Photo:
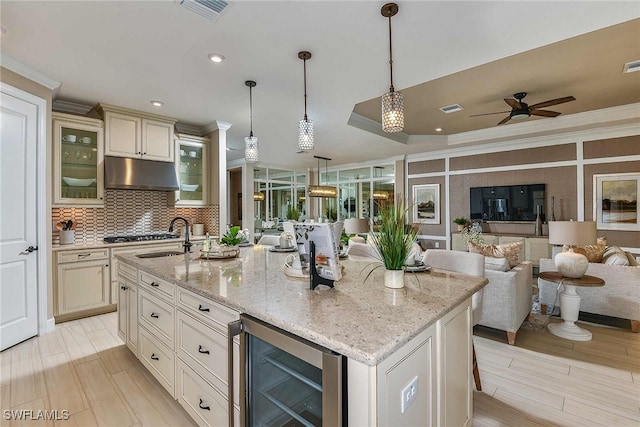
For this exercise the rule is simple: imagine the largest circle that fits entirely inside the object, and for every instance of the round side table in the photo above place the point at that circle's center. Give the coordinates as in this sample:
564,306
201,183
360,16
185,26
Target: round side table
570,304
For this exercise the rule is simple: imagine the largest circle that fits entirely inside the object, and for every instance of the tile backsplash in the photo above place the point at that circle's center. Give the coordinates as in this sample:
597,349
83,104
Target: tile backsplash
131,212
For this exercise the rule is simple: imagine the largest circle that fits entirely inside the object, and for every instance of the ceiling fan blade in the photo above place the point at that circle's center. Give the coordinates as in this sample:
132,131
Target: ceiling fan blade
544,113
552,102
505,120
513,103
488,114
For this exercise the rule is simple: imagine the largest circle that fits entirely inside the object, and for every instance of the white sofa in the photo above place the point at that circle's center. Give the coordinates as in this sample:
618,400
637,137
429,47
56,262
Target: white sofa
619,297
507,299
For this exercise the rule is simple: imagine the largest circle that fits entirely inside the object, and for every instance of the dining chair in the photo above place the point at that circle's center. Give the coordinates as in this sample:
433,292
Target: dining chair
465,263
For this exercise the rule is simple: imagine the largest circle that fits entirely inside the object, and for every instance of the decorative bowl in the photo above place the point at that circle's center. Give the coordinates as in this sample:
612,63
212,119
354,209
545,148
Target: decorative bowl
77,182
189,187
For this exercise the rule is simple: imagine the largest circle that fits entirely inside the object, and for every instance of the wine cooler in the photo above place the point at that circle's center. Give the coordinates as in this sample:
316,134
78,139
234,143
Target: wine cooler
286,381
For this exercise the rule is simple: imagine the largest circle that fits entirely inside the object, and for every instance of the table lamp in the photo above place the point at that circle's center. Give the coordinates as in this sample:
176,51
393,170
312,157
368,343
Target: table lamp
572,233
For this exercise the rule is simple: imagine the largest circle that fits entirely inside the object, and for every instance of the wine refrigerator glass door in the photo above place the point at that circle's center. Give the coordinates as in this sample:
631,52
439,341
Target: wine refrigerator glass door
288,382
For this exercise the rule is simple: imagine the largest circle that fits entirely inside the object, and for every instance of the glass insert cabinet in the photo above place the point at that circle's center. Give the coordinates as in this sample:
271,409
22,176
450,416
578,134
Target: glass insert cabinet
78,160
192,168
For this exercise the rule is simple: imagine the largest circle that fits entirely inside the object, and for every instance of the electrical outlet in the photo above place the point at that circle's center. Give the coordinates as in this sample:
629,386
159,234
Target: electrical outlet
437,245
409,394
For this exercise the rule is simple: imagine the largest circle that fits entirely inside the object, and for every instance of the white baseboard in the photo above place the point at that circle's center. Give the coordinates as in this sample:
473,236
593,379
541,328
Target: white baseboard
51,325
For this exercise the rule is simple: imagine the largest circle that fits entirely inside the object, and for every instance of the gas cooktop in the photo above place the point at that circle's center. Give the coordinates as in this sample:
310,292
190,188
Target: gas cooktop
140,238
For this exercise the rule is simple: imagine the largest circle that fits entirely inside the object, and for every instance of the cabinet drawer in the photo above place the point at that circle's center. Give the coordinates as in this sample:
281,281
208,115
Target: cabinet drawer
214,313
157,316
162,287
203,402
158,359
80,255
127,271
204,348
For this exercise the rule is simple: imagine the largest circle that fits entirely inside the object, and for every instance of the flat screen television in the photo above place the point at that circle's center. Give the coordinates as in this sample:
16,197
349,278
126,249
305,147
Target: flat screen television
507,202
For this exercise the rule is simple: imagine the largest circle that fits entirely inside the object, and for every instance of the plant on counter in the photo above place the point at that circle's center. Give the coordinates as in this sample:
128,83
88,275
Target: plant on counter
393,240
235,236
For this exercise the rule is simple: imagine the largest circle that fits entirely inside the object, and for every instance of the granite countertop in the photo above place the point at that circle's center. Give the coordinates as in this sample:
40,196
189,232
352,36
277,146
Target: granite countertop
99,244
362,320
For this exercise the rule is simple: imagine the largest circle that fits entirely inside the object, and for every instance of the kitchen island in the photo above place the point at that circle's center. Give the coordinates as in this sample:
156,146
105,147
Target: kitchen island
388,336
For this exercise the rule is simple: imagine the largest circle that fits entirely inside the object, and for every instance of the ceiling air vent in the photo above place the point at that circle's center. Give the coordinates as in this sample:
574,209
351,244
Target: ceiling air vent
630,67
451,108
210,9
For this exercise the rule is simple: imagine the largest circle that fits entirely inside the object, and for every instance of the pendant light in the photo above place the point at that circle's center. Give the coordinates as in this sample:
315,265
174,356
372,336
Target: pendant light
322,190
251,142
392,101
258,196
305,126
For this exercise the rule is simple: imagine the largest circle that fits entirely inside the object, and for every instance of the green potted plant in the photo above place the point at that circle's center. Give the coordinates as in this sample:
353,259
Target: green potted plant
293,213
461,222
234,236
393,242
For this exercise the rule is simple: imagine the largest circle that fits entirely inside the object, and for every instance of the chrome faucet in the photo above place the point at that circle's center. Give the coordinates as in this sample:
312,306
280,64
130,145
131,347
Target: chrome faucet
187,244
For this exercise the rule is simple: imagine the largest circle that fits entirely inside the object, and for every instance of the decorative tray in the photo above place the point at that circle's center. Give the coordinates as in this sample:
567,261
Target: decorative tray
417,268
220,254
277,248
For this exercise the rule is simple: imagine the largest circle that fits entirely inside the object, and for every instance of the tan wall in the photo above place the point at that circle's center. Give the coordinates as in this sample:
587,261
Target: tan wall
515,157
22,83
613,147
426,166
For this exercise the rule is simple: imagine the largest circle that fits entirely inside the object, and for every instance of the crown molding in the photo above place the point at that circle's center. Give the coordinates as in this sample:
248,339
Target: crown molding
189,129
217,125
366,124
70,107
29,73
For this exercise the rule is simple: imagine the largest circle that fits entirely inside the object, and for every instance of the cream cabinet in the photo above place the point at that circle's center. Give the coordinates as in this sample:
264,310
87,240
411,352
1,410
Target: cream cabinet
192,166
78,155
533,248
128,312
131,133
117,267
82,282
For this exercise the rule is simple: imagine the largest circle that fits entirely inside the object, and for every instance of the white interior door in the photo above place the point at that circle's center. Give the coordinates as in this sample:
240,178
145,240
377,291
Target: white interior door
18,227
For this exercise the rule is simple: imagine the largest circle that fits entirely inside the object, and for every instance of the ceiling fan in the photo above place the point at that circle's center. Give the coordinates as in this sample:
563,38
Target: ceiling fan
520,110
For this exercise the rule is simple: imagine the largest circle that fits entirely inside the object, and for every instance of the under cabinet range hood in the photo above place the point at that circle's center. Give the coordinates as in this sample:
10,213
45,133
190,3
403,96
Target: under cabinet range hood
123,173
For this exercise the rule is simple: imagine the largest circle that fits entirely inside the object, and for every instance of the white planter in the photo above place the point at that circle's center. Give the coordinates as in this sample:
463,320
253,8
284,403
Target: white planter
394,279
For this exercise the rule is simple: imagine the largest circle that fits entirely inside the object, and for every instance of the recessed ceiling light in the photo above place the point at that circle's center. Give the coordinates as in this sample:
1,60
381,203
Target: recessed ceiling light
157,103
632,66
438,129
451,108
215,57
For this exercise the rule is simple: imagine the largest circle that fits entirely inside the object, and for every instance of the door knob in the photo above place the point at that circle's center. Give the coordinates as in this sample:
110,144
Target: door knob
31,249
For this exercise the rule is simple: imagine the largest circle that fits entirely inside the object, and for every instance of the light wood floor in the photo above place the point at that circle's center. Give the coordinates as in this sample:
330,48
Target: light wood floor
84,368
546,381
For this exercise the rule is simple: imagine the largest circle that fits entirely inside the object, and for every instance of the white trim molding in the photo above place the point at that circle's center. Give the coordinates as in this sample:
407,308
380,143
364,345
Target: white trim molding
29,73
361,122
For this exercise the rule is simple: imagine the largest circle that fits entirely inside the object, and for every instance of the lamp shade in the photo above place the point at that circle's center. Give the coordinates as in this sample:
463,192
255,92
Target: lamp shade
322,191
572,233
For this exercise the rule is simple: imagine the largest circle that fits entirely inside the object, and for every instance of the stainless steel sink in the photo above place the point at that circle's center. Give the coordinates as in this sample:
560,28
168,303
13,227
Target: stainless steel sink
159,254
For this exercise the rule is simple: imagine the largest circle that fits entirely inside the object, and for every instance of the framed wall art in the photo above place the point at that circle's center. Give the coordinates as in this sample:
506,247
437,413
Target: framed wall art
615,201
426,204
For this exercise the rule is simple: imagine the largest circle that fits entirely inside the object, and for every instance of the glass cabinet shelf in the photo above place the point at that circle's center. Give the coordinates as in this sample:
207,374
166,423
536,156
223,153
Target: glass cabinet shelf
78,160
191,167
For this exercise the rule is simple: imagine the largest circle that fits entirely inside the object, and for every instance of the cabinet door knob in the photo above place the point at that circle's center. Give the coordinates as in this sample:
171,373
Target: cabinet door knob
154,357
124,288
155,315
155,285
208,408
201,308
200,350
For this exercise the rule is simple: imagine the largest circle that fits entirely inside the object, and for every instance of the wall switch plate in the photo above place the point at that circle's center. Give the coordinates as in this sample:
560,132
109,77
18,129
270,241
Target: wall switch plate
409,394
437,245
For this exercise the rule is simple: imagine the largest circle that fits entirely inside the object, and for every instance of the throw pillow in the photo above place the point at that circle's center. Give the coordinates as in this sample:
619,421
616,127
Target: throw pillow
593,253
510,251
496,264
632,259
615,256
